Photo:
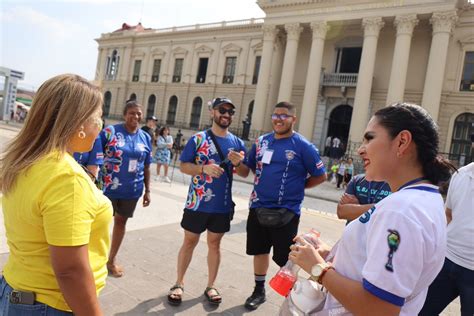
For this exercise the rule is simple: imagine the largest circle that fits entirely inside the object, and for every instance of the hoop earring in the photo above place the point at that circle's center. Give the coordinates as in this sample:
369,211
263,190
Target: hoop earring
81,133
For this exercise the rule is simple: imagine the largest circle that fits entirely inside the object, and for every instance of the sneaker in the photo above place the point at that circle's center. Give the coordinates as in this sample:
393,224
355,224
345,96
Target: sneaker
166,179
256,299
156,178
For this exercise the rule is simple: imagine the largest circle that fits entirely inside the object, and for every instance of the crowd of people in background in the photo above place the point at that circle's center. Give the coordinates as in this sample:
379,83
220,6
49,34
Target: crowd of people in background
65,177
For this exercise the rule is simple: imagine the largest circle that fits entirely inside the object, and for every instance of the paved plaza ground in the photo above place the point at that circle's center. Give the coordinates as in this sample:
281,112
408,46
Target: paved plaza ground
149,253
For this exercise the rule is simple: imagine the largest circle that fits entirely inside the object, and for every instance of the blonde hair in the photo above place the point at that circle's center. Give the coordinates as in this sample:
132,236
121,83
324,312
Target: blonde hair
60,107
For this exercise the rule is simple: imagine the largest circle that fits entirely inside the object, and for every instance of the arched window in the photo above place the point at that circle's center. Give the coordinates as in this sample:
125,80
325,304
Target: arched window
112,66
461,141
150,109
172,107
196,112
250,111
340,122
133,97
107,101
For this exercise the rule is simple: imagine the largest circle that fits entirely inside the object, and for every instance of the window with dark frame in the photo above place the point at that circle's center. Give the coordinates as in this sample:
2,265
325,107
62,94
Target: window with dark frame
202,70
172,107
178,69
196,112
229,70
150,109
136,70
155,74
467,79
112,66
256,69
348,59
107,101
461,145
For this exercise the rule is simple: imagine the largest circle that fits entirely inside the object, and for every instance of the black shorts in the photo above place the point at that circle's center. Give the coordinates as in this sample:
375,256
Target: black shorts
197,222
260,239
124,207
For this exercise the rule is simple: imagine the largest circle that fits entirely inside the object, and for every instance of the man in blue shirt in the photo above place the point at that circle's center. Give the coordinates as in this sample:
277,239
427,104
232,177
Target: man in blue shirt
285,164
360,196
209,203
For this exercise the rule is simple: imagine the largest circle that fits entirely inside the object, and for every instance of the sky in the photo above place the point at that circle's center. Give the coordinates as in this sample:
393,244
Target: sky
43,38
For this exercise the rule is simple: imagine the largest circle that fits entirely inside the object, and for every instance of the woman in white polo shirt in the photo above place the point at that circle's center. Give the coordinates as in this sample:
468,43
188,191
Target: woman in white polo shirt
387,258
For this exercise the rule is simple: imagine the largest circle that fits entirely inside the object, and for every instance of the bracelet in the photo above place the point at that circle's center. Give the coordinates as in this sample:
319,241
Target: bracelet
237,164
320,279
147,191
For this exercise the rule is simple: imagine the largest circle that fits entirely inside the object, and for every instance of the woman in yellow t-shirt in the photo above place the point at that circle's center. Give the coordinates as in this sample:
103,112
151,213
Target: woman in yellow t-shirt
56,220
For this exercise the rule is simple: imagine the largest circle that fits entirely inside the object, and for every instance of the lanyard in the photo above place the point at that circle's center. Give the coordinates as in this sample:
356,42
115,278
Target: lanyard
411,182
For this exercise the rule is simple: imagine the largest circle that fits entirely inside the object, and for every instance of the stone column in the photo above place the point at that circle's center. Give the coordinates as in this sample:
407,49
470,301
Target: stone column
145,72
213,62
293,31
101,64
165,74
360,112
443,23
125,60
396,88
277,63
261,94
313,76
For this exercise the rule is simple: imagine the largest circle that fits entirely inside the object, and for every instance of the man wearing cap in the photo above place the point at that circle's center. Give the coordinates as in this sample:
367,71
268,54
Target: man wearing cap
209,203
150,126
285,164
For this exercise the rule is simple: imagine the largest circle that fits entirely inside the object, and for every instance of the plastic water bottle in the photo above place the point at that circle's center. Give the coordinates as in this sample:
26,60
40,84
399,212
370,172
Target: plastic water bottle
286,277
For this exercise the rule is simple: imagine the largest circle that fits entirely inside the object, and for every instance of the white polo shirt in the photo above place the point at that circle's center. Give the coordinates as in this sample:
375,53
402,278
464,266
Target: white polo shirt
414,222
460,245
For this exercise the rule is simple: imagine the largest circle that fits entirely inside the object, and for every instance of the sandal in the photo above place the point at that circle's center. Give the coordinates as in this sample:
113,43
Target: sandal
214,299
115,270
175,298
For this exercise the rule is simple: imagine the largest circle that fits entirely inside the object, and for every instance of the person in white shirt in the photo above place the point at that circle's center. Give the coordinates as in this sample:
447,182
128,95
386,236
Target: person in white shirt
388,257
457,276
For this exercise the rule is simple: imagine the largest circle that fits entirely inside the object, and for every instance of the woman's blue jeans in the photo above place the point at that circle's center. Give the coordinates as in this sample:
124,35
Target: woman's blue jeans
452,281
37,309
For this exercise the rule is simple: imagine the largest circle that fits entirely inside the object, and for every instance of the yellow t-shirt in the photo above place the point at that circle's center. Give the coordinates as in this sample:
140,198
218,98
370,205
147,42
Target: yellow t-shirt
54,202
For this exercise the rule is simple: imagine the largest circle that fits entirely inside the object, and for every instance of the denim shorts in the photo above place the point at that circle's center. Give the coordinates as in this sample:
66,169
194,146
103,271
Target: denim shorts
37,309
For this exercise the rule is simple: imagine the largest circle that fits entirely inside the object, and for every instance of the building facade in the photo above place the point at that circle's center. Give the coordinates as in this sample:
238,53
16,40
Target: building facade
338,61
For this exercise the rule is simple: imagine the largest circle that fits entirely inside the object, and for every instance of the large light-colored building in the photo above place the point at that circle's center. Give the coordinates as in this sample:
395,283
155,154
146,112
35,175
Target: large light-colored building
337,60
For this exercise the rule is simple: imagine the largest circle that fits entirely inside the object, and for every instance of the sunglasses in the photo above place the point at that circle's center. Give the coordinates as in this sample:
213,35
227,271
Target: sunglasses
224,111
281,116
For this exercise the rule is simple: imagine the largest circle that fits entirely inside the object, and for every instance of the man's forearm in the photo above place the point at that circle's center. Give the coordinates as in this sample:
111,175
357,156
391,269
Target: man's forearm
352,211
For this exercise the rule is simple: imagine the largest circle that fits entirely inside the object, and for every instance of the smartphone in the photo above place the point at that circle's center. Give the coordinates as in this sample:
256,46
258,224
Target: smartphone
22,297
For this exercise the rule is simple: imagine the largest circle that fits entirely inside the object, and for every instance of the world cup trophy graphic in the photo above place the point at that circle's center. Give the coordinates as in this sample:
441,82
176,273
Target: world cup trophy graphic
393,240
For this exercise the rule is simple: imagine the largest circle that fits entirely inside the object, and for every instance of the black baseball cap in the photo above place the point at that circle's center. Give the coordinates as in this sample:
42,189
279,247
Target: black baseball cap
221,100
152,118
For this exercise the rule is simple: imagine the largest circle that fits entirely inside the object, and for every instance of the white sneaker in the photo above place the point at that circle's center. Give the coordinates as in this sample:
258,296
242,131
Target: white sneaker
156,178
166,179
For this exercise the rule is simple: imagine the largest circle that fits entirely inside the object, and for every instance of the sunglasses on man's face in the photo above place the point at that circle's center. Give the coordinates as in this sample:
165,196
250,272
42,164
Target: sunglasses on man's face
224,111
281,116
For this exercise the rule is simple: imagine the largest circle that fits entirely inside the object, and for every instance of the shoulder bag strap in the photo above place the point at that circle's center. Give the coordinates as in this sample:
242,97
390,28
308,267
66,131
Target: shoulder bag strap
221,155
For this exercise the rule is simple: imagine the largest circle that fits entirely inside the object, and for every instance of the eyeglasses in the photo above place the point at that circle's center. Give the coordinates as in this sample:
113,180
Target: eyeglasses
224,111
281,116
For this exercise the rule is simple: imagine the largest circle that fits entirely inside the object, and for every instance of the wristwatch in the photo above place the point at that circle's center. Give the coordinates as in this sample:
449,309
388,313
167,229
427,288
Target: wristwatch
318,271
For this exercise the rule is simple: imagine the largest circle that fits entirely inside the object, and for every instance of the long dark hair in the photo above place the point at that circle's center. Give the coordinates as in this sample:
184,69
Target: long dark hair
424,131
162,130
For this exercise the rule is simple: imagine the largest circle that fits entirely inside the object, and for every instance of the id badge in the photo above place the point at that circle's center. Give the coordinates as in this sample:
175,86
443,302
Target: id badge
267,156
132,165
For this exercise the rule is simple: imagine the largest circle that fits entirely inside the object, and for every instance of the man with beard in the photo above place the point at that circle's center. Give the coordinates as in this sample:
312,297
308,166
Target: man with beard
209,203
285,164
